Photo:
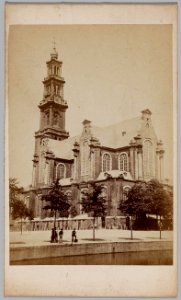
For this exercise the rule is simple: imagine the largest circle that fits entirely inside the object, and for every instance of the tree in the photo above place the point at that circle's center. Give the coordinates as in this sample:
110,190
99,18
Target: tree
137,203
93,201
160,201
73,211
147,198
57,201
138,200
17,207
15,192
20,210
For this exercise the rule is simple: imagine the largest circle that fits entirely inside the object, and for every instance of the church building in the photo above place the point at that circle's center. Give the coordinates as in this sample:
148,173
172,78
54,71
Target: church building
115,156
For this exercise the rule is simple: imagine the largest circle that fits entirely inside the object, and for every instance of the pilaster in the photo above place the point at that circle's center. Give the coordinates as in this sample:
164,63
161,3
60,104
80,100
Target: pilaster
140,163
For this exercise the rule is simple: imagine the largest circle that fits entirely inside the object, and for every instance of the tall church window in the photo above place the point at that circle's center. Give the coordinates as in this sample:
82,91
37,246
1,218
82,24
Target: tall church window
148,160
126,189
48,90
42,168
123,162
60,171
68,193
47,116
85,159
106,162
55,118
46,177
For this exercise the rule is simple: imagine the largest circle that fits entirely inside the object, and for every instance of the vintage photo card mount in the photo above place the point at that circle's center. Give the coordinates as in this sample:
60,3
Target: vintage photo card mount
91,98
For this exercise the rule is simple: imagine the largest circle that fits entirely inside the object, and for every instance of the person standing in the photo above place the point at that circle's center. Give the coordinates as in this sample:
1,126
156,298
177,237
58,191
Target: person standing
60,235
52,236
73,236
55,236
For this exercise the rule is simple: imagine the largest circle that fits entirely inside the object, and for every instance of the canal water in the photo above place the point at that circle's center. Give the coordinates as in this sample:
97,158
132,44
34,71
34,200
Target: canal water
164,257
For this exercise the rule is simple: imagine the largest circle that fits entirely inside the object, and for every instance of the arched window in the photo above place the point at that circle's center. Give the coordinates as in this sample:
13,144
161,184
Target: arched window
148,159
125,192
68,193
46,177
85,159
104,192
123,162
42,167
46,118
55,118
106,162
60,171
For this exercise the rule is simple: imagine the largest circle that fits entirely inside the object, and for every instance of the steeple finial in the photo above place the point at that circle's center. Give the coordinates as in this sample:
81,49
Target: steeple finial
54,44
54,53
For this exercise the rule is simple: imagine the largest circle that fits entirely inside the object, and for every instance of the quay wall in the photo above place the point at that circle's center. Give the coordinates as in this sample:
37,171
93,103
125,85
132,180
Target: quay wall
58,250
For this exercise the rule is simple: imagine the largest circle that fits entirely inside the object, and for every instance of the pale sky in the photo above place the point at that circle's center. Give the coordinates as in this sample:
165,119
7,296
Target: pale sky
112,72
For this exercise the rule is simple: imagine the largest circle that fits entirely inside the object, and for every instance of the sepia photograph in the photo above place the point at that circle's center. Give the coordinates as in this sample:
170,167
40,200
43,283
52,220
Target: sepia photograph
91,145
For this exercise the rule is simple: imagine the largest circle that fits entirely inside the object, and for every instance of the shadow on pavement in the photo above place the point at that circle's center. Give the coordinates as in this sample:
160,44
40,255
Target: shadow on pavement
93,240
155,238
17,243
130,239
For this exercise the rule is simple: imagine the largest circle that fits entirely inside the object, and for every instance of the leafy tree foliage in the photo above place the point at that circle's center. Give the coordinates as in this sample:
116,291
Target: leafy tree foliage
18,208
57,201
161,202
147,198
73,211
93,201
14,191
138,200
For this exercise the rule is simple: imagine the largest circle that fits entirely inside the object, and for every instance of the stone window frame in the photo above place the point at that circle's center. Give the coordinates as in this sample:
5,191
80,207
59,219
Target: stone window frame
64,176
85,158
148,174
69,195
127,162
126,187
110,160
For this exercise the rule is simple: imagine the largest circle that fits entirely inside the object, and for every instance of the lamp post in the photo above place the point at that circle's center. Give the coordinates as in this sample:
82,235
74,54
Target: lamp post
121,177
131,228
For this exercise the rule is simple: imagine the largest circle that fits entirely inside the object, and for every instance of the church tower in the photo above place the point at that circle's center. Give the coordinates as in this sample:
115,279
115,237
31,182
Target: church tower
52,117
53,106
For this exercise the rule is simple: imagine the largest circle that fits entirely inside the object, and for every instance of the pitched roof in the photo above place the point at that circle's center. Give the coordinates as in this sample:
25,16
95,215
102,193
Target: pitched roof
118,135
112,136
62,149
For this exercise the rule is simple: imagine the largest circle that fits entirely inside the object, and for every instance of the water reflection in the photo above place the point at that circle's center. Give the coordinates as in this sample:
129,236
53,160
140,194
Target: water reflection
130,258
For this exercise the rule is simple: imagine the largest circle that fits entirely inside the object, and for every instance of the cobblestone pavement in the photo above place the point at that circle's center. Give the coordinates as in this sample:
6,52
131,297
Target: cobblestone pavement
40,238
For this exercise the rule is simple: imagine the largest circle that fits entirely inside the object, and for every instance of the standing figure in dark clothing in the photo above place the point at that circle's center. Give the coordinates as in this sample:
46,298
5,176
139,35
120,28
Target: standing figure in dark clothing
54,236
60,235
73,236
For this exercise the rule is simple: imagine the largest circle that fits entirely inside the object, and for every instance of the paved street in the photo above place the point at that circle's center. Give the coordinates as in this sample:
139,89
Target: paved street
39,238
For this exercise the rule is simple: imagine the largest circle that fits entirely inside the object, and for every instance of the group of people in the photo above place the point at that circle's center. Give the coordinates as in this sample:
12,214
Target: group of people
54,236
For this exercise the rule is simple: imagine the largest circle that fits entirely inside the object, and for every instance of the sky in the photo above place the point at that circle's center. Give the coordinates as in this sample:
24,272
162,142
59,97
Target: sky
112,73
